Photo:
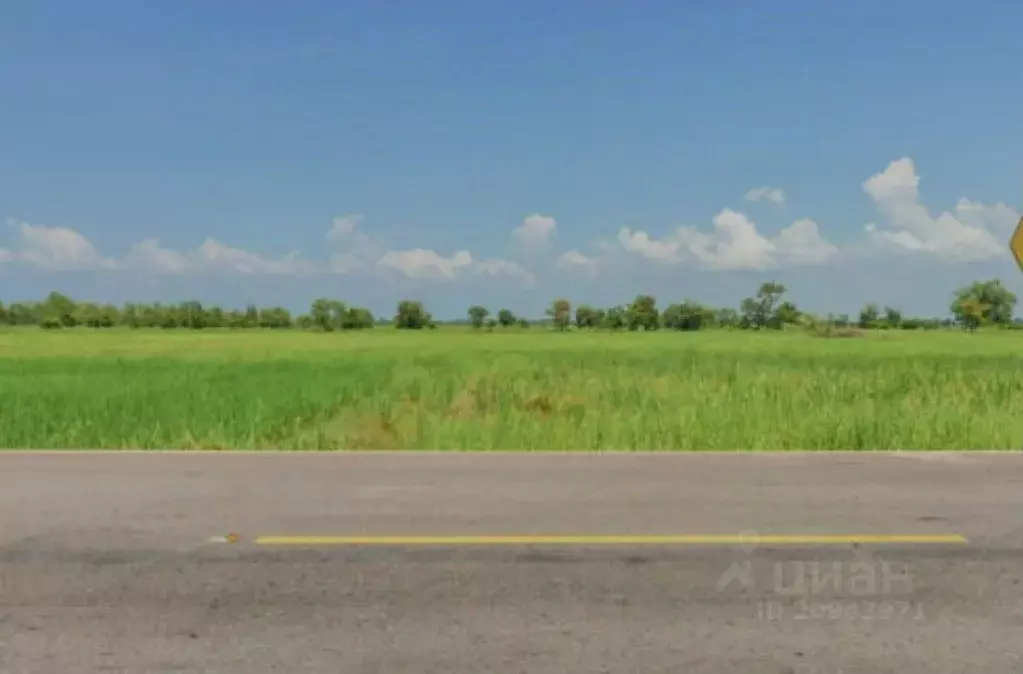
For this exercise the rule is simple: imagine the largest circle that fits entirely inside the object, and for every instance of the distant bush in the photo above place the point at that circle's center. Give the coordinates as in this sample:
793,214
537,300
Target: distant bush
829,330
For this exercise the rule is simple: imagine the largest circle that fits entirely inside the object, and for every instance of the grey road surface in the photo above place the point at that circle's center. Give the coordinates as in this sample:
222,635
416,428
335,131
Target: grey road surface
113,563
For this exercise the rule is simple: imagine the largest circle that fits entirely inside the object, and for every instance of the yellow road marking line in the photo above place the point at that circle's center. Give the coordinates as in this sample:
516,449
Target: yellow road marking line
693,539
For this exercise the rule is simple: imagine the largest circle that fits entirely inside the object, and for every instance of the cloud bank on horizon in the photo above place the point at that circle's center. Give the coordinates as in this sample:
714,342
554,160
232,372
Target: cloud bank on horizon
970,232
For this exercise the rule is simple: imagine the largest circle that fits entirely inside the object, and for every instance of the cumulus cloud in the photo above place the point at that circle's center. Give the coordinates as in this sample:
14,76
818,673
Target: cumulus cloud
734,243
576,261
426,264
663,250
56,249
420,263
216,255
574,258
499,267
969,231
772,194
535,231
344,227
965,234
149,254
801,243
354,251
349,251
212,256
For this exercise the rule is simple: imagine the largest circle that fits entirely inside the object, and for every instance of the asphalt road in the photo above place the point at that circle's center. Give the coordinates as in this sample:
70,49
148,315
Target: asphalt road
117,563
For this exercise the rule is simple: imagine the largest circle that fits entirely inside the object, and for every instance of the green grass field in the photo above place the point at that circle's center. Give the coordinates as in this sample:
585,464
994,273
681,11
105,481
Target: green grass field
453,389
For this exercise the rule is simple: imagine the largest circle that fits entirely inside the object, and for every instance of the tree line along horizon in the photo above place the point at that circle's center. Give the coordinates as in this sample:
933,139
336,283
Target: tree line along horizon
975,305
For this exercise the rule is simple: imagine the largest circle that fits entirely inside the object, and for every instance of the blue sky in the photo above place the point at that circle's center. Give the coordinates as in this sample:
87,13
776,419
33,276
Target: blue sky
509,152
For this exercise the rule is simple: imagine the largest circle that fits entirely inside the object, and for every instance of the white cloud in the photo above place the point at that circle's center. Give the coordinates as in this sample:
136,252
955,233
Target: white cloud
999,217
57,249
212,256
535,230
344,227
420,263
499,267
801,243
969,231
664,250
772,194
961,235
149,254
61,248
574,260
347,263
734,243
359,252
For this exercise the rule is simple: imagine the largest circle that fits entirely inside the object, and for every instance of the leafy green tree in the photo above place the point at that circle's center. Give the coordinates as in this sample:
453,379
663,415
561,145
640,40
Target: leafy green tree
109,316
586,316
169,318
727,318
19,313
787,314
236,320
275,318
359,318
131,315
60,307
412,316
192,315
338,312
696,316
251,316
215,317
87,314
869,316
893,317
643,313
995,302
506,318
560,313
320,313
912,324
750,314
671,317
687,316
972,313
151,316
759,312
477,315
616,318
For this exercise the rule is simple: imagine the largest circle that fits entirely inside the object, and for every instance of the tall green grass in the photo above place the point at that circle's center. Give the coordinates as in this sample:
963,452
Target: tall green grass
537,390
